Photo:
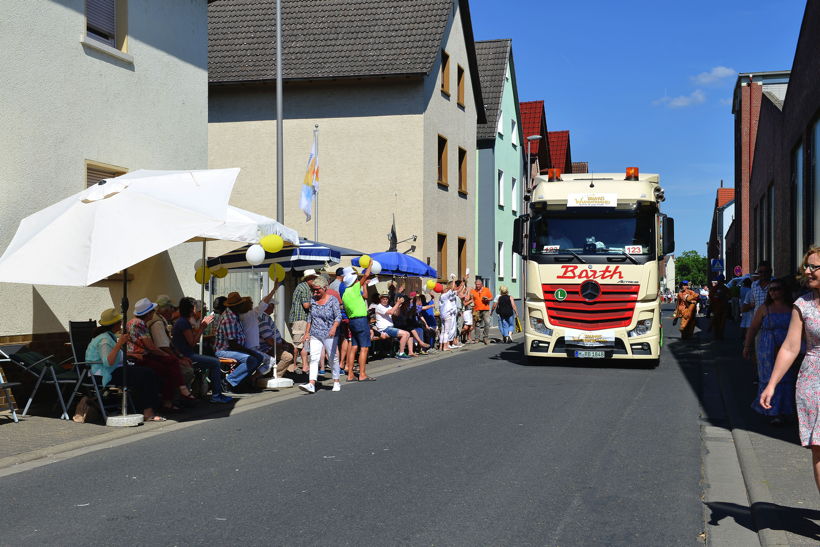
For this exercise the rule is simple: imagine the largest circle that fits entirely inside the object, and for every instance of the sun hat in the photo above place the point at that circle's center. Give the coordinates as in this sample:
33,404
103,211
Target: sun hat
310,273
384,295
164,300
234,299
109,317
684,282
143,306
349,270
350,279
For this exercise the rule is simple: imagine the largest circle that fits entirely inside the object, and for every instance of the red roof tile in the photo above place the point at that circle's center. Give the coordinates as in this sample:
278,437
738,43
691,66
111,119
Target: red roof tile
724,196
560,151
532,113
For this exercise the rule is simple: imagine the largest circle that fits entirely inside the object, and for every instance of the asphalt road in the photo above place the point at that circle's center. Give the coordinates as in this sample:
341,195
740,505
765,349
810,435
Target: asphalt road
478,449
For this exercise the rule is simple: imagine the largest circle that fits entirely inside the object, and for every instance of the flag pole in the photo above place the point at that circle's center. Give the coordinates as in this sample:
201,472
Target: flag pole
315,190
280,169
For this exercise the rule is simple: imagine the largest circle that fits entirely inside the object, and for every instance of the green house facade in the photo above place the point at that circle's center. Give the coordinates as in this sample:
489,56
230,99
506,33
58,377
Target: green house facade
500,168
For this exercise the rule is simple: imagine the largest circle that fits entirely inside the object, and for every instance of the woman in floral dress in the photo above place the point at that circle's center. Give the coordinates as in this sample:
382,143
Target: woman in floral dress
805,319
769,326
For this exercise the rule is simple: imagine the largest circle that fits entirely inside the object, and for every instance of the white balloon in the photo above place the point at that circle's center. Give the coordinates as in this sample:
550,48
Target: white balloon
375,267
255,255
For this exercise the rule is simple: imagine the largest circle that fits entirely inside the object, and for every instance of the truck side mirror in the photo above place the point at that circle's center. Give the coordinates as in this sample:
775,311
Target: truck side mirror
668,235
518,237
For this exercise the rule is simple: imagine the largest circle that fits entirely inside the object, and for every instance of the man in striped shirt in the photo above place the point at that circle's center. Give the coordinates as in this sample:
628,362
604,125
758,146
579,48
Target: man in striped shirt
230,340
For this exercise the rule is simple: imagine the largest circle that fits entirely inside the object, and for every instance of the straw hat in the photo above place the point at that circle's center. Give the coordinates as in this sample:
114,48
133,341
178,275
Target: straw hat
109,317
143,307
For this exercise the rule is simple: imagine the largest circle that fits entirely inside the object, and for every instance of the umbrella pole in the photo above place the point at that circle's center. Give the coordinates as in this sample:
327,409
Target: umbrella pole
124,310
202,297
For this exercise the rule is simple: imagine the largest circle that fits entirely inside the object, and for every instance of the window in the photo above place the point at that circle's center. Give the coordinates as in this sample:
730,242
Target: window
462,258
500,188
460,77
514,133
770,223
106,22
462,170
500,260
96,171
442,160
445,73
441,256
513,194
798,190
500,128
515,265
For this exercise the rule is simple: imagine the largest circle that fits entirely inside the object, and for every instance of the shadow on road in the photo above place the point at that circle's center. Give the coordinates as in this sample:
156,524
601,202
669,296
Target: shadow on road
796,520
515,354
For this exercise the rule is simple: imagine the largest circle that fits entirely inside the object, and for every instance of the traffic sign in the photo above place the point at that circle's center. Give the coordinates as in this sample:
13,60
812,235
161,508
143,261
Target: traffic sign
717,265
738,271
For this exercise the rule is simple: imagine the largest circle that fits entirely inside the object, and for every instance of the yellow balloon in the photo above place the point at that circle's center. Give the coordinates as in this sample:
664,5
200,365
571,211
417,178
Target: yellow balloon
276,272
220,272
202,275
272,243
364,261
431,284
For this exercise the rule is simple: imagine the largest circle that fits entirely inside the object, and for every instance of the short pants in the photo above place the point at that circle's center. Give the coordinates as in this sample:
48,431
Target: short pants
297,332
468,317
360,332
392,332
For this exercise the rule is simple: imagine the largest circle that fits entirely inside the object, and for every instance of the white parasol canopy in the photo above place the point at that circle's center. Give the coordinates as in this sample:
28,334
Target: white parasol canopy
115,224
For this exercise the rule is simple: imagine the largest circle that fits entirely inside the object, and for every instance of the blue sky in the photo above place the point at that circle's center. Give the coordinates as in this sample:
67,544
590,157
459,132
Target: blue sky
646,83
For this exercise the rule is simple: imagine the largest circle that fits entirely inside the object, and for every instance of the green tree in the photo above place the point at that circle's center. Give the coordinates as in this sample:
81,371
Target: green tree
693,267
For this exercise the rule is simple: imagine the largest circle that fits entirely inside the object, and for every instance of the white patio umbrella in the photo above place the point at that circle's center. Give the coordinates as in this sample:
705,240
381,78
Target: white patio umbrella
114,224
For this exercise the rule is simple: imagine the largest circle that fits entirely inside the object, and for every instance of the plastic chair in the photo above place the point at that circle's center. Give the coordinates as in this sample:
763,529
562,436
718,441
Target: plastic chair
6,387
44,369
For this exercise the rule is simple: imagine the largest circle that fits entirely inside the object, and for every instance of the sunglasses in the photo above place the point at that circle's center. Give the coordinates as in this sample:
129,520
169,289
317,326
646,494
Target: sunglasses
812,267
318,289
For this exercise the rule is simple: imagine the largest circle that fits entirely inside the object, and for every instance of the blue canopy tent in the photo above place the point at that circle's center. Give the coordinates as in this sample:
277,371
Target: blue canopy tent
400,264
307,255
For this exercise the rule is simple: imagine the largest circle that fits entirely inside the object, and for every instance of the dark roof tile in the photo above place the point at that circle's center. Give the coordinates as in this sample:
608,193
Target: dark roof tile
492,58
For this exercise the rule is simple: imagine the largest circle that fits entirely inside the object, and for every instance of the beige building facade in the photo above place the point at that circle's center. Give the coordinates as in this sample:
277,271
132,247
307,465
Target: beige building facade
380,152
80,103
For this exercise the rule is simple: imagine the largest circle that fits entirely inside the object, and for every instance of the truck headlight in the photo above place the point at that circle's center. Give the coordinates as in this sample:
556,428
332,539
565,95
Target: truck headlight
538,325
641,328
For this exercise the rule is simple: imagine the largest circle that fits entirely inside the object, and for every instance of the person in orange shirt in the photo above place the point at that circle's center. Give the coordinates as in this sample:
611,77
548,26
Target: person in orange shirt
482,297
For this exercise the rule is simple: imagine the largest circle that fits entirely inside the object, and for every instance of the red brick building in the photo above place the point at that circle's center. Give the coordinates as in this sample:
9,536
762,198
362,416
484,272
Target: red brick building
746,109
783,201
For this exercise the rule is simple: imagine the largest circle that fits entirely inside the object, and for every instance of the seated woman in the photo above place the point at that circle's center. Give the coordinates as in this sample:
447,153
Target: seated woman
184,338
105,352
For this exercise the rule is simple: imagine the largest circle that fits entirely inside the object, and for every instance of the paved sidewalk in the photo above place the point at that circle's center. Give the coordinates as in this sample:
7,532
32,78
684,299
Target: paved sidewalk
37,437
776,469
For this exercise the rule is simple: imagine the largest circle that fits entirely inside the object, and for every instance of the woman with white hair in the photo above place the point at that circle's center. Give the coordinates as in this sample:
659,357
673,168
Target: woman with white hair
507,313
320,332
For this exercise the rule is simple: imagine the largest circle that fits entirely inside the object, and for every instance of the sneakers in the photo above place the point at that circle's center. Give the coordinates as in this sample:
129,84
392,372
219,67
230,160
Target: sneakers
308,388
402,356
220,399
336,386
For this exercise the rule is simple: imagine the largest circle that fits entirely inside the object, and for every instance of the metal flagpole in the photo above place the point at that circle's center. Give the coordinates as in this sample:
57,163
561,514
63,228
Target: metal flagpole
316,191
280,190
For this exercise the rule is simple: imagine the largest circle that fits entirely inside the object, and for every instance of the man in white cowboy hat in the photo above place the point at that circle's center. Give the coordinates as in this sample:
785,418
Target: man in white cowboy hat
299,308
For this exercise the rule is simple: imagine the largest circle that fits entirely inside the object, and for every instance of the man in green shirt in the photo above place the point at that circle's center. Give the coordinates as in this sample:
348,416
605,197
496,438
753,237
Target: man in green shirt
355,303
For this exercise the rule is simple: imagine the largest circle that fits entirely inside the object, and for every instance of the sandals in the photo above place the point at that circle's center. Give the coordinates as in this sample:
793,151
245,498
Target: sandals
156,418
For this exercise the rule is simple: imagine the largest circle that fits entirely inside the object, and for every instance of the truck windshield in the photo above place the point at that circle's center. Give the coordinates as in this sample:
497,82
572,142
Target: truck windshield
591,231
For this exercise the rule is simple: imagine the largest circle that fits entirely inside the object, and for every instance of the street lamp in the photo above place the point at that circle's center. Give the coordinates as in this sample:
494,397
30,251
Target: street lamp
530,140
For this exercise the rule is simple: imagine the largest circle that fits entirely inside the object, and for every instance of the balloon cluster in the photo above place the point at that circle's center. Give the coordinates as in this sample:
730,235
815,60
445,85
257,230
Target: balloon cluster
432,285
202,273
375,266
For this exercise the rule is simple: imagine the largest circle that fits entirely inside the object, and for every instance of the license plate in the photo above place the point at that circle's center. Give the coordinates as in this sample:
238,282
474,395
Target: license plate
590,354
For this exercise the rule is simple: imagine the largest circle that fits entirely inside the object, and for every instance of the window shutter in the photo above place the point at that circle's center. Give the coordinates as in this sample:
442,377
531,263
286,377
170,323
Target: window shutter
94,175
101,18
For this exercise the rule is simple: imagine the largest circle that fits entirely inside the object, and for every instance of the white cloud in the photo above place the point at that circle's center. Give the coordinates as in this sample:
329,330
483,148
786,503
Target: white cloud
717,74
682,101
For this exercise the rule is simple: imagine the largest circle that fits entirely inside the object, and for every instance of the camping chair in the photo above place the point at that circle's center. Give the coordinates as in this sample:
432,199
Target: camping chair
44,369
80,334
6,387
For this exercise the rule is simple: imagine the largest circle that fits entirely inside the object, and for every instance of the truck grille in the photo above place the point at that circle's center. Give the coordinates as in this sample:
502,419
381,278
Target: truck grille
613,308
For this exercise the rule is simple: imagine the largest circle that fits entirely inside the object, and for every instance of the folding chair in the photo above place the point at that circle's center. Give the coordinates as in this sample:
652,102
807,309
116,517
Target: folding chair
80,334
44,369
6,387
